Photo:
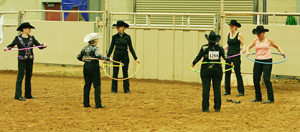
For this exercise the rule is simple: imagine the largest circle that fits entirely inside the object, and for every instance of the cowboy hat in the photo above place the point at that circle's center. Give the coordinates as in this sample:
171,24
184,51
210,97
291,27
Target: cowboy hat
213,37
259,29
91,36
121,23
24,25
234,22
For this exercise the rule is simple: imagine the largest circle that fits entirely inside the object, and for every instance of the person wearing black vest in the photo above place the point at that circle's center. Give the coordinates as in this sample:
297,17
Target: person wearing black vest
25,59
211,52
91,70
235,41
120,44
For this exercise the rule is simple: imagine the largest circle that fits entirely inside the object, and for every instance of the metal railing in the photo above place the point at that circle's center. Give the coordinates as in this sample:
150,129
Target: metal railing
62,12
10,13
100,22
185,23
259,14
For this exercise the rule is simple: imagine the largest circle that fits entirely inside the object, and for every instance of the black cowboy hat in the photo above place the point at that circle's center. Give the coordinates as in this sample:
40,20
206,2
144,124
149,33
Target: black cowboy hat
213,37
25,25
234,22
121,23
259,29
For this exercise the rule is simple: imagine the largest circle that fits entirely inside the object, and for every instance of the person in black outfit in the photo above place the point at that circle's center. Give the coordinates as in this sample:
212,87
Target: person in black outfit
121,42
25,59
211,52
91,69
235,40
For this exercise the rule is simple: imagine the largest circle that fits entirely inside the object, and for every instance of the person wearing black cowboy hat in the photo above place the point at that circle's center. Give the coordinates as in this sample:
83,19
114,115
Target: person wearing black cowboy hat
235,41
120,44
263,46
211,52
25,59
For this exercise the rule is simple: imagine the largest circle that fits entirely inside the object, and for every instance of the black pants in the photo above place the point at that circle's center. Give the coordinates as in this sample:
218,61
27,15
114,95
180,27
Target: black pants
24,67
237,69
266,69
91,72
122,57
213,74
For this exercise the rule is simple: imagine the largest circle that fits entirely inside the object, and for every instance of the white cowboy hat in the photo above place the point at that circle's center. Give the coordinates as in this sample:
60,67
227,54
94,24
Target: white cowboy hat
91,36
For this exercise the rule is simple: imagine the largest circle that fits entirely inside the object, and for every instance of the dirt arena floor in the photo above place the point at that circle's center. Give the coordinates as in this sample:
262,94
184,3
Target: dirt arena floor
152,106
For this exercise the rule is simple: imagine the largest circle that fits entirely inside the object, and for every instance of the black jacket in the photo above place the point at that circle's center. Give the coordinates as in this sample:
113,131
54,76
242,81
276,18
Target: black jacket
205,50
25,43
121,44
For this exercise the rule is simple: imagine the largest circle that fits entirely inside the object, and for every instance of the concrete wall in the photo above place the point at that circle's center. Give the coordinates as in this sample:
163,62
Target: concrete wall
285,37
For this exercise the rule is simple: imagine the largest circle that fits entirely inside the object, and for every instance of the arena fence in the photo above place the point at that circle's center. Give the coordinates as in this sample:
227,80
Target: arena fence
15,13
177,20
69,36
166,50
273,15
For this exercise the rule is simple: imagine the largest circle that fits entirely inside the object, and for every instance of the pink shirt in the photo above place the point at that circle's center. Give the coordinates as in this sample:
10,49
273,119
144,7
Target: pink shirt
263,50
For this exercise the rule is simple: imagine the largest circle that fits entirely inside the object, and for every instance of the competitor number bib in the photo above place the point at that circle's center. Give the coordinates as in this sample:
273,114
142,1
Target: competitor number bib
213,55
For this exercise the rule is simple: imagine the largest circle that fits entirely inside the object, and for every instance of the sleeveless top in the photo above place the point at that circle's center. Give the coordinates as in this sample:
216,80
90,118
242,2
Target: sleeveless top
233,45
263,50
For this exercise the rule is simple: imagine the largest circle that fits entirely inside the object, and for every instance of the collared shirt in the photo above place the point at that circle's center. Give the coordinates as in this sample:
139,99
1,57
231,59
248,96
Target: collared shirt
121,44
89,52
24,43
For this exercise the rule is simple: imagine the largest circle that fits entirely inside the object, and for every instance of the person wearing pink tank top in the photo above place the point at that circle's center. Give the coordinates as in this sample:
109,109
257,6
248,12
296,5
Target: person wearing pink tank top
263,46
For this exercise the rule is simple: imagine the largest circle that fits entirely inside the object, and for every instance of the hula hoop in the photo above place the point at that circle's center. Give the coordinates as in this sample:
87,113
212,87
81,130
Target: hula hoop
25,48
232,56
120,79
286,58
214,63
120,63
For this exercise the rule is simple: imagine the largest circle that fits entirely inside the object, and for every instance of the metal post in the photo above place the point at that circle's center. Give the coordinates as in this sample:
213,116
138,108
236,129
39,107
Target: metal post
265,17
298,10
255,9
148,16
19,19
188,21
134,10
134,34
217,23
173,22
108,29
274,20
222,20
63,16
258,20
